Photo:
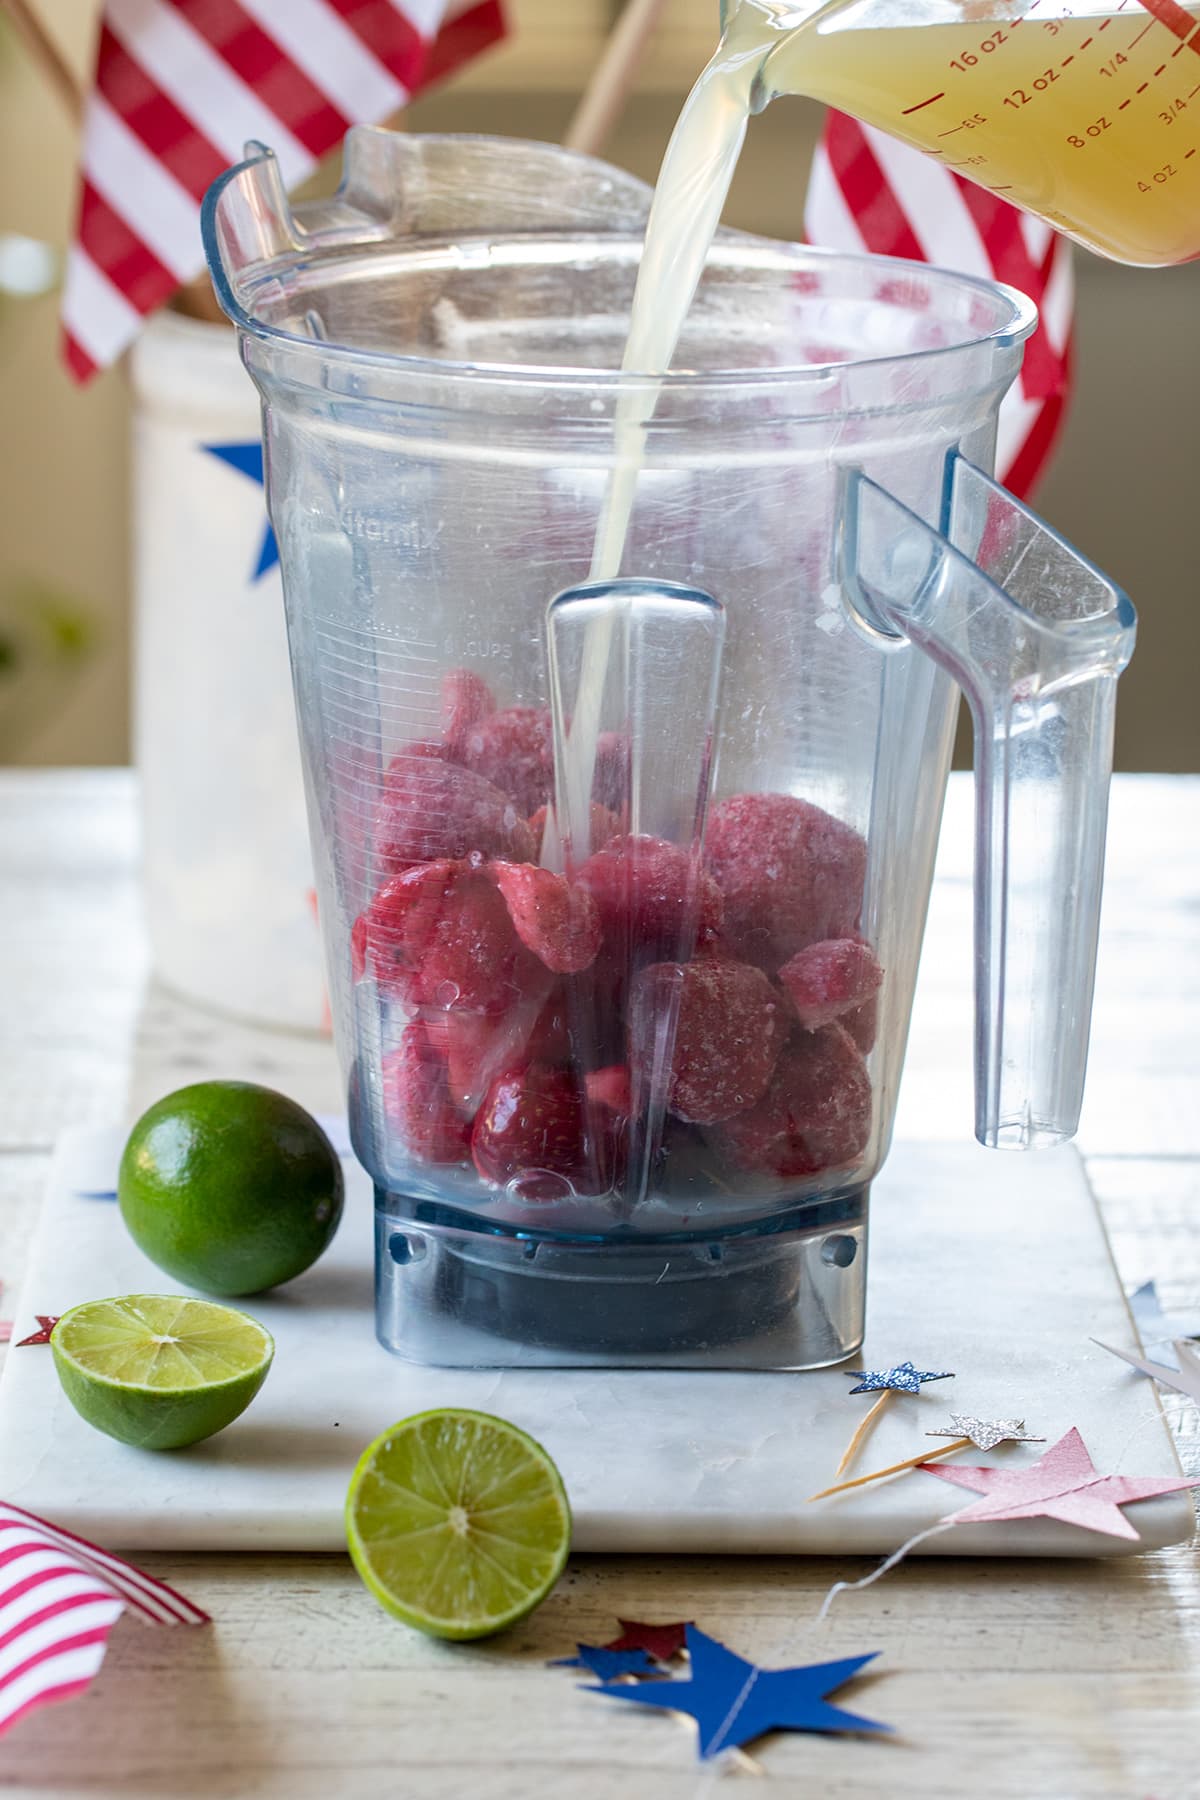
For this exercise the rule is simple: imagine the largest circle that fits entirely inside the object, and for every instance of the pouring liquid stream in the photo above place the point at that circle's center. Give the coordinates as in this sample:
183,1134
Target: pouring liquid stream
1086,113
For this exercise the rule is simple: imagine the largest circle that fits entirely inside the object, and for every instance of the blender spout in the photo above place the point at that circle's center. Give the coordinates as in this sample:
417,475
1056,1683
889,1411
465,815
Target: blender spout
1036,638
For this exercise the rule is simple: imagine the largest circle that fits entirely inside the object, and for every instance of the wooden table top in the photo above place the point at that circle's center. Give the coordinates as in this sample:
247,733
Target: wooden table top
1058,1680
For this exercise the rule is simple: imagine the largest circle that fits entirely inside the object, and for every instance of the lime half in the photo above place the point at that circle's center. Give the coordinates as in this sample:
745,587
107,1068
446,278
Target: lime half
160,1370
457,1522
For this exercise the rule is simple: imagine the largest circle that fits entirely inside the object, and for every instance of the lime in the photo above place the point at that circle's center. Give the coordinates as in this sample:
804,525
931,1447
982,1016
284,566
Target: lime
457,1522
230,1187
160,1370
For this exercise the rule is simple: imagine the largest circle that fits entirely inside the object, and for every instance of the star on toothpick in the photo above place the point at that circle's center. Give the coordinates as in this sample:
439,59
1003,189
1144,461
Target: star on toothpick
903,1379
1063,1484
985,1434
733,1701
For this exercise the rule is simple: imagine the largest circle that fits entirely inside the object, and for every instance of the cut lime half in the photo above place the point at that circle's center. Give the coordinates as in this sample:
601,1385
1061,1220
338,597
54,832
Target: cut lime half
457,1522
160,1370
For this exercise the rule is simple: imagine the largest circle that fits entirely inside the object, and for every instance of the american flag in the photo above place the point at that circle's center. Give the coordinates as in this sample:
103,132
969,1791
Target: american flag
182,84
59,1598
869,192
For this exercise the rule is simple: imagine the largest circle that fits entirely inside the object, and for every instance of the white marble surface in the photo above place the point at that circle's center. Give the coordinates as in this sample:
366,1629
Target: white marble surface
964,1276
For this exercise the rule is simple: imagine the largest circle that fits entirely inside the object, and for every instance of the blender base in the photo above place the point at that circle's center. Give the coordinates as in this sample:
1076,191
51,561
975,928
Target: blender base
789,1295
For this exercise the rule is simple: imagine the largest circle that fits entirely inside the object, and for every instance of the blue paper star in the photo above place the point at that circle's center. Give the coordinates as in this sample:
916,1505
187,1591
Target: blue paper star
733,1701
1158,1329
903,1378
607,1665
247,459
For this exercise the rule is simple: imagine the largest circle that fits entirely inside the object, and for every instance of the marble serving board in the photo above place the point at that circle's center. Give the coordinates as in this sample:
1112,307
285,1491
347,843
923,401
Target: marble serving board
995,1266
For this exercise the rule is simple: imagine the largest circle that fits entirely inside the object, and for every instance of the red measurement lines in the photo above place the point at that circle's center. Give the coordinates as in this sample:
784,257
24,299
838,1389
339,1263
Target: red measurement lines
921,104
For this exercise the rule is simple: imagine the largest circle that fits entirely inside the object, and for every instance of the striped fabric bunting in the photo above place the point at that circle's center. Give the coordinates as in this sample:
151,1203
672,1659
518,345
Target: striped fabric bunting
59,1598
181,85
869,192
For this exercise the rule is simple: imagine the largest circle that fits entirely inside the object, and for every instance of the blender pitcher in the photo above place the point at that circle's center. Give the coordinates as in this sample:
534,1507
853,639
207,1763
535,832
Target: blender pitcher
623,882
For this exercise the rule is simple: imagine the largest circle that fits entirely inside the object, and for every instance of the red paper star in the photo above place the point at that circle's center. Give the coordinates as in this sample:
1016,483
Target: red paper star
660,1641
46,1324
1063,1484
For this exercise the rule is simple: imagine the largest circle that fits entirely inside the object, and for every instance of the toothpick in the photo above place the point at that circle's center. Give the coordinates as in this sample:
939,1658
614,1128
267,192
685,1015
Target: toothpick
46,54
912,1462
606,93
864,1428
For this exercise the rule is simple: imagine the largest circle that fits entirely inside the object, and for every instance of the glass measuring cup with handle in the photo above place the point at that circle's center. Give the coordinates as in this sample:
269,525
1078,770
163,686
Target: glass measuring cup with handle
628,1108
1085,112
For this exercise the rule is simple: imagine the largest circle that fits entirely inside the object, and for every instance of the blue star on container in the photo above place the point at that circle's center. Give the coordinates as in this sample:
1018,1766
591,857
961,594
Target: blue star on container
903,1379
247,459
606,1664
733,1701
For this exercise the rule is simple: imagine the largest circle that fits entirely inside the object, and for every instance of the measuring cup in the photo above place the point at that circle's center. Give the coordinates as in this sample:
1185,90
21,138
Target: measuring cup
1085,112
623,1102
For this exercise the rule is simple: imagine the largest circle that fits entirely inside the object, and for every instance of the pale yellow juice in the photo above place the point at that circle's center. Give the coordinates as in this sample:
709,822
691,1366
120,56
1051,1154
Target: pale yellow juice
1091,121
1089,118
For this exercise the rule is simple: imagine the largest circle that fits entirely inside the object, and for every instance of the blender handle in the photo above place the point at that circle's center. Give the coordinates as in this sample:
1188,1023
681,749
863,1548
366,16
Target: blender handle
1036,637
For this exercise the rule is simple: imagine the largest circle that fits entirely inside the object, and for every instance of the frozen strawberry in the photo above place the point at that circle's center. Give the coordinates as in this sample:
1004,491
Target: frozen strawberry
439,935
653,901
417,1103
358,946
729,1027
388,939
863,1024
815,1114
530,1130
559,922
604,825
466,699
827,980
610,780
514,750
433,809
791,875
479,1046
610,1088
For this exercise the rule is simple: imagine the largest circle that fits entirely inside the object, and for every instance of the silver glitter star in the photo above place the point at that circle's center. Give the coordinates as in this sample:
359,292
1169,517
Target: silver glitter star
903,1378
985,1434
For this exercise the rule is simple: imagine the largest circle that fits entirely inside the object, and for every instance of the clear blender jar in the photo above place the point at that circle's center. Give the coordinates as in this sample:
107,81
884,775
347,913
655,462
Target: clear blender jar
622,1057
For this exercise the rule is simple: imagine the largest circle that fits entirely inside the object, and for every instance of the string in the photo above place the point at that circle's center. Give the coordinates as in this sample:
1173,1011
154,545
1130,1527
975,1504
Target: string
897,1556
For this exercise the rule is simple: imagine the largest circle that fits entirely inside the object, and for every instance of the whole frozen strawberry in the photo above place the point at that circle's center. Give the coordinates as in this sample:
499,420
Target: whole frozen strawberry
530,1131
430,809
654,901
417,1103
828,980
815,1114
729,1027
791,875
514,750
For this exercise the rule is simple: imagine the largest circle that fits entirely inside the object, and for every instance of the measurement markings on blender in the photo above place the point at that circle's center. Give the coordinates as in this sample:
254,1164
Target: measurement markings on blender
923,103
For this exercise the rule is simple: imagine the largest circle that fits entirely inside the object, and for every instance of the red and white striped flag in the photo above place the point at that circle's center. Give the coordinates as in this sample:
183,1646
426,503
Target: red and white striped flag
59,1598
869,192
182,84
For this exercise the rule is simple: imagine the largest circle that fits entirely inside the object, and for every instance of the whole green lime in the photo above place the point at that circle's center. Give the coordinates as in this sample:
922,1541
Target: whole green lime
230,1187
